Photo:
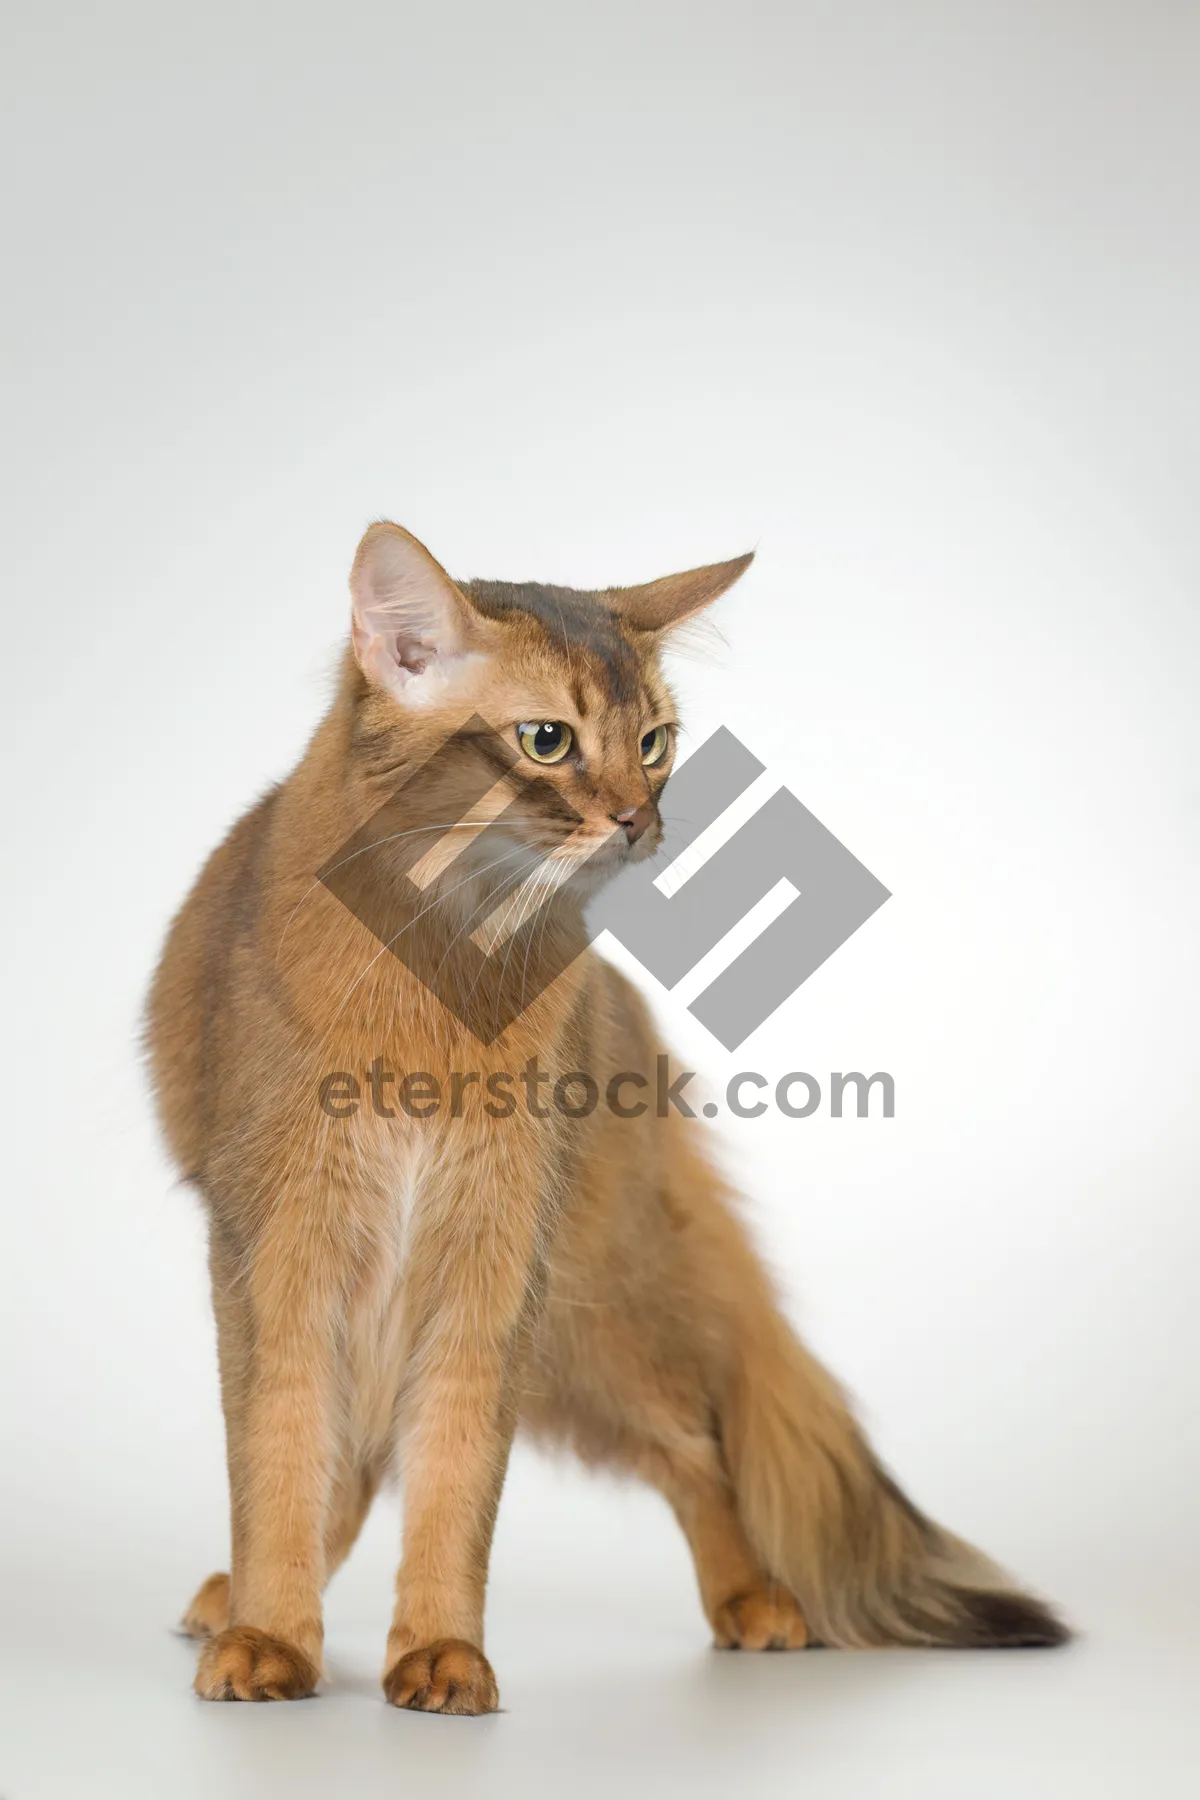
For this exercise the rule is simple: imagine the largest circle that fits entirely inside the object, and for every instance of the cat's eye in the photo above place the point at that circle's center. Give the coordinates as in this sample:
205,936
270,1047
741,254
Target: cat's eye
546,743
654,745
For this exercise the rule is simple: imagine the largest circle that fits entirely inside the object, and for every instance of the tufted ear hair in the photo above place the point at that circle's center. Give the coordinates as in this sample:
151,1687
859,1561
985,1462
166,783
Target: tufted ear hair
412,628
658,605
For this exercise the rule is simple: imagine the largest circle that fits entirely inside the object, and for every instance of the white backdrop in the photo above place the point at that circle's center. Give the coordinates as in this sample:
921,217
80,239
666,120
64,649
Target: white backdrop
903,297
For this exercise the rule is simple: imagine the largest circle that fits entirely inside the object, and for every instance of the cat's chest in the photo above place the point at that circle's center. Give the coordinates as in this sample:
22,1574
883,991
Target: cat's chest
376,1323
400,1180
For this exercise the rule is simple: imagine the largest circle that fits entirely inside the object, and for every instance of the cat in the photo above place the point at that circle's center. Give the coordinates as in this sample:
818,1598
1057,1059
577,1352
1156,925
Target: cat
397,1292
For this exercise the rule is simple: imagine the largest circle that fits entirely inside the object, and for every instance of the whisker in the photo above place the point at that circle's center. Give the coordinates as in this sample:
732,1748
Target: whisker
543,881
458,825
514,899
547,910
438,900
538,878
473,914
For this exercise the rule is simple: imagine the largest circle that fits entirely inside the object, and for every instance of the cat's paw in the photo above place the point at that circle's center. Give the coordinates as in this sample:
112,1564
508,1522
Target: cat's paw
208,1612
768,1618
450,1676
242,1663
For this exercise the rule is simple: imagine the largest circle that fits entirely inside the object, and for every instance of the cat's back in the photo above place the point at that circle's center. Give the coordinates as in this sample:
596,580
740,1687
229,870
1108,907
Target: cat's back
195,980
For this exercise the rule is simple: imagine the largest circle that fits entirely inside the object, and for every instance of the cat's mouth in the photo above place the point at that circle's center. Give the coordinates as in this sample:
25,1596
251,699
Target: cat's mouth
606,851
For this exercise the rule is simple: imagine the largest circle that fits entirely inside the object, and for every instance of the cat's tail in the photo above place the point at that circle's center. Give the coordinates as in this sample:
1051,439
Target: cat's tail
827,1521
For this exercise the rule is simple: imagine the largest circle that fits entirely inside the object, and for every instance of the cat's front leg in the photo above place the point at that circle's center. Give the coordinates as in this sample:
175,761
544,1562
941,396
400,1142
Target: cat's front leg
475,1284
278,1419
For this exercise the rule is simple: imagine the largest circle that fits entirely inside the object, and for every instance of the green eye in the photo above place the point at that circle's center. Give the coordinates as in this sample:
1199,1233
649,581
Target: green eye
546,743
654,745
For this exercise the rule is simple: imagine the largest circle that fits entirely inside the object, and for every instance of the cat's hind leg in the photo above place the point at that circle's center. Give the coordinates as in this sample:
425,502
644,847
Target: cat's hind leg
600,1386
745,1608
208,1610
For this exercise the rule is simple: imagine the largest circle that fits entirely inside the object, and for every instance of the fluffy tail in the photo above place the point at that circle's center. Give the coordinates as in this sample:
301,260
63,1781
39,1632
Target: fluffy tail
825,1520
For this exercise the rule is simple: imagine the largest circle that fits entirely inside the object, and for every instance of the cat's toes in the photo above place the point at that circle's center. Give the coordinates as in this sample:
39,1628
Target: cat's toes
242,1663
766,1619
209,1609
450,1676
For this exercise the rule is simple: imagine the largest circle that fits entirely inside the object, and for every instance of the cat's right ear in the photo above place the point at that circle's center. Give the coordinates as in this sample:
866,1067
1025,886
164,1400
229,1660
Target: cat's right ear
412,628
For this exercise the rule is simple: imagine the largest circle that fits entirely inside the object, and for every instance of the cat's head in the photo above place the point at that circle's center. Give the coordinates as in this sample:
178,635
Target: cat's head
569,682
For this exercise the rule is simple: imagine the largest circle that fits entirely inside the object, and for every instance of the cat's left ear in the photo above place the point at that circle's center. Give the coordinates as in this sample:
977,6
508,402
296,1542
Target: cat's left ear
673,599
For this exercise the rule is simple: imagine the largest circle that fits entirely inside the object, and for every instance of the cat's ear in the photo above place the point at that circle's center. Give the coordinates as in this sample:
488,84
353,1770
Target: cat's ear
411,626
659,605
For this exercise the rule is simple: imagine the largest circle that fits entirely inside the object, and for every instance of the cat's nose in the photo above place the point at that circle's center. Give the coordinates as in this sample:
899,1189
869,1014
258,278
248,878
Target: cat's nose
635,820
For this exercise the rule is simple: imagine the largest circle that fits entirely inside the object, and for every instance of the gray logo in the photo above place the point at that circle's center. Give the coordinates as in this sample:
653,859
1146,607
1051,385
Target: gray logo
668,936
